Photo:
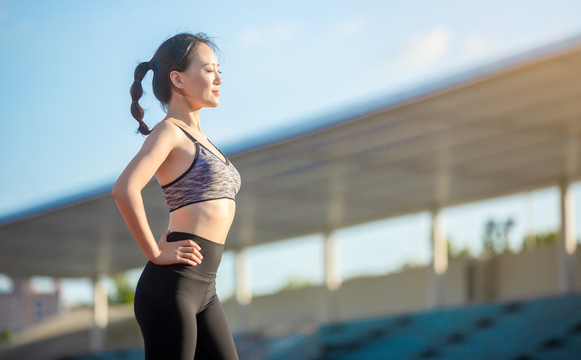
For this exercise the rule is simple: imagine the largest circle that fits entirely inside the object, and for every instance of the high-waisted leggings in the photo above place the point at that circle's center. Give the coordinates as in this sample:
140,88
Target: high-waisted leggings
178,310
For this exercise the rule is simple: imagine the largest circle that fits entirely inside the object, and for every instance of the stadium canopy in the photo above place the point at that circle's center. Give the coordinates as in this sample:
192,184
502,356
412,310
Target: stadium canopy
511,126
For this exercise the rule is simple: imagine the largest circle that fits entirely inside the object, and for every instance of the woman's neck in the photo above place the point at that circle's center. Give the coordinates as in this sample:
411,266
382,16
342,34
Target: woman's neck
181,110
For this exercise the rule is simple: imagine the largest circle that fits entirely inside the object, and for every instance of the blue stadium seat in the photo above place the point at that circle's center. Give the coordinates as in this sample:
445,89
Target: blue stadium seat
545,328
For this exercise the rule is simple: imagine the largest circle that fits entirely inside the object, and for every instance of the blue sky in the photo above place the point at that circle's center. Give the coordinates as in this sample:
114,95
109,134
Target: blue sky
66,68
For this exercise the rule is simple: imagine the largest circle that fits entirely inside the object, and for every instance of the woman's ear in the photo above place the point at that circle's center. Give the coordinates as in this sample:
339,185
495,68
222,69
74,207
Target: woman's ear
175,78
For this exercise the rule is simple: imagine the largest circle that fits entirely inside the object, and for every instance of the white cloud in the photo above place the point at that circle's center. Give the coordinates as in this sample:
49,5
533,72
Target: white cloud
417,57
278,33
424,49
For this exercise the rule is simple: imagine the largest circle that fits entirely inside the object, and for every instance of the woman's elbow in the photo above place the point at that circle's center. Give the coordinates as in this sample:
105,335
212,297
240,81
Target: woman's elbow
124,189
119,190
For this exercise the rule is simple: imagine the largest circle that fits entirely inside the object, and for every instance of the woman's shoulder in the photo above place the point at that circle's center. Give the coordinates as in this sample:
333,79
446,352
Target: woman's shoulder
166,129
164,134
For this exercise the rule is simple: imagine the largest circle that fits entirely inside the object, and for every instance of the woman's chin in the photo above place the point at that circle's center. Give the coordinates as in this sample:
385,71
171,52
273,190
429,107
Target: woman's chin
211,104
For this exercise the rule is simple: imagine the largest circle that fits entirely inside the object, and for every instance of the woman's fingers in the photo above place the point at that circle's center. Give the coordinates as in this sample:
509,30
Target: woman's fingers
191,256
189,262
191,253
188,258
192,250
184,251
190,243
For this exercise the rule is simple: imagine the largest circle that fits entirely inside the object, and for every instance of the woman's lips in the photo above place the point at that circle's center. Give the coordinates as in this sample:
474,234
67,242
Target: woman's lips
216,92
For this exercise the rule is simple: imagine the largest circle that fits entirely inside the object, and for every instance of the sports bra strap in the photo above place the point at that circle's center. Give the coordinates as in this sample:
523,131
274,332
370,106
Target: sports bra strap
187,134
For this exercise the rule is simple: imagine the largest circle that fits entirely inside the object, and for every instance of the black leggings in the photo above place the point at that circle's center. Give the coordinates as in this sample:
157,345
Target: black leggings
178,311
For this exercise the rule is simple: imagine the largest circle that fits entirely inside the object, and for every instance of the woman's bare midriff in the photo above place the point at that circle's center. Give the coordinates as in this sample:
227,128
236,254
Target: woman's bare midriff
209,219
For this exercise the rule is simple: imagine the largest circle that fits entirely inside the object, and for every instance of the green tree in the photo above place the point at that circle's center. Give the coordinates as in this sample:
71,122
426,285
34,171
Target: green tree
546,238
457,252
293,284
495,238
488,239
408,265
6,336
125,293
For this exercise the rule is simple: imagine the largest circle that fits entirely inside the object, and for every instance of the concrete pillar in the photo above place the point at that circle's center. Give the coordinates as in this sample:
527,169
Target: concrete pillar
332,263
20,311
243,280
332,276
58,294
567,245
243,287
529,222
100,315
439,260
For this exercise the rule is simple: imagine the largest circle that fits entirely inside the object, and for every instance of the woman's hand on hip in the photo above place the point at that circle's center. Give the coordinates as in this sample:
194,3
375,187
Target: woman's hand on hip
183,251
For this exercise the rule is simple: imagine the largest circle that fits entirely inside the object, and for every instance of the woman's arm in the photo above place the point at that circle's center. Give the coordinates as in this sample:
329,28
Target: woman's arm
127,191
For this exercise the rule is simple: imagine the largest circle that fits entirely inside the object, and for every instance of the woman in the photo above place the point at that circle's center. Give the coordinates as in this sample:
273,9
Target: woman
176,305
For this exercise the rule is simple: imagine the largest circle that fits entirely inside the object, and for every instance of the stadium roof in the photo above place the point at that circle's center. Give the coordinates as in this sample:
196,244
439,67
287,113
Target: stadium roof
503,128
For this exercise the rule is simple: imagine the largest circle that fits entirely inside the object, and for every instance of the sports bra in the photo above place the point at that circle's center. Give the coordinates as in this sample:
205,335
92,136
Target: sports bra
208,178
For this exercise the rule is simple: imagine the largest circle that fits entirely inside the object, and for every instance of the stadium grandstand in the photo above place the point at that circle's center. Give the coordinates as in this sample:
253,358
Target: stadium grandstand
508,127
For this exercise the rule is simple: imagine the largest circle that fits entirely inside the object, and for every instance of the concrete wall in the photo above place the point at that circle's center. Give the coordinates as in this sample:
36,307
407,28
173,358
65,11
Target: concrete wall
268,311
527,275
505,277
398,292
23,307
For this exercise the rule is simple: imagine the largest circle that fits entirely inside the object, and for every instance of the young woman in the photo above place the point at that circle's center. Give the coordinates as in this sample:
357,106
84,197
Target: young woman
176,305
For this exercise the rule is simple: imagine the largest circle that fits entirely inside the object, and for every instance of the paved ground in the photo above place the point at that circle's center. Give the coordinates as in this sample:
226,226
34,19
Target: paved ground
70,334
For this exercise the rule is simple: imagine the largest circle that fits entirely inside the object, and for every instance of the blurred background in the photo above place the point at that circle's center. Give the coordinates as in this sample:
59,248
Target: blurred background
289,69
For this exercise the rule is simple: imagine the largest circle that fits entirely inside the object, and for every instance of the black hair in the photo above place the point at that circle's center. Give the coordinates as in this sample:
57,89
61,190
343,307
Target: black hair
175,53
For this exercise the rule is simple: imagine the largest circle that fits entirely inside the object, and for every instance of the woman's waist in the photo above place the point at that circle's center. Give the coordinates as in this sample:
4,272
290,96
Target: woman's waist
210,250
219,210
212,223
210,246
206,271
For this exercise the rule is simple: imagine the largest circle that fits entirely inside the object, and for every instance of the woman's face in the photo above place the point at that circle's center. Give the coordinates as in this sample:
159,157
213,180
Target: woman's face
200,82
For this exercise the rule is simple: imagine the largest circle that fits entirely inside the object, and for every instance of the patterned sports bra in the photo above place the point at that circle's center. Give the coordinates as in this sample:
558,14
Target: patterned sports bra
208,178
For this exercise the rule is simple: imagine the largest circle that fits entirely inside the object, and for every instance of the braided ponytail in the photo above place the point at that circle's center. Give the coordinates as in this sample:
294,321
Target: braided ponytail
175,53
136,92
